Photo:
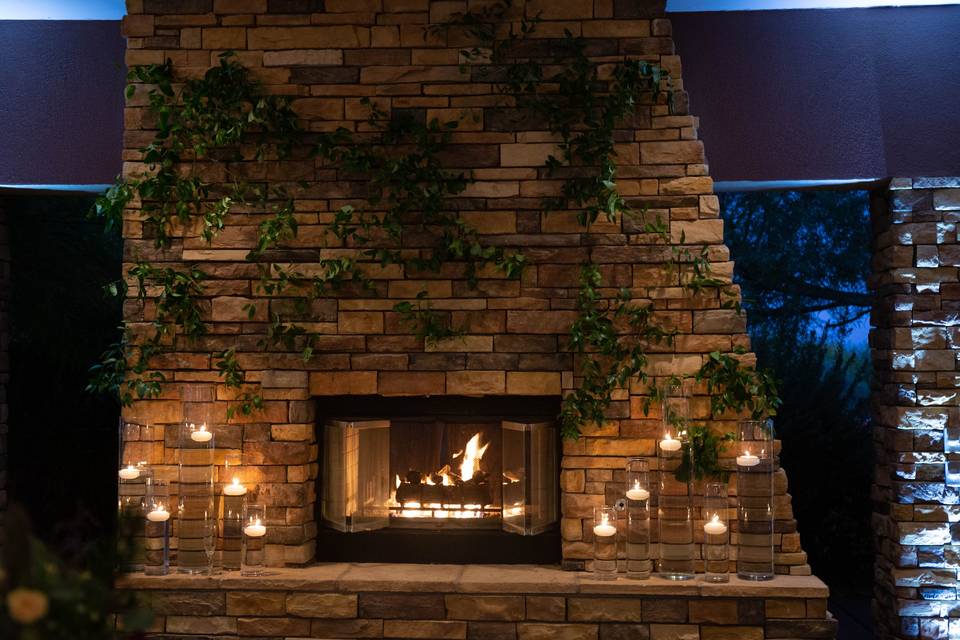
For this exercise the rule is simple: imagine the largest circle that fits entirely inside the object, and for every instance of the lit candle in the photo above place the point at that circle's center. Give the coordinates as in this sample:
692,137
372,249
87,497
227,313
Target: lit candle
715,527
604,529
130,472
201,434
636,493
669,444
748,460
255,529
159,514
235,489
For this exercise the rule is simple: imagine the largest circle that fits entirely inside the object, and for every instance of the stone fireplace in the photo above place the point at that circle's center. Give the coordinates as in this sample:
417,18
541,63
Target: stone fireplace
382,448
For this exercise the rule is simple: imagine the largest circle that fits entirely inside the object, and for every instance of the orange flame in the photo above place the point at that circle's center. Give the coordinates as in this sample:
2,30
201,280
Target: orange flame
471,457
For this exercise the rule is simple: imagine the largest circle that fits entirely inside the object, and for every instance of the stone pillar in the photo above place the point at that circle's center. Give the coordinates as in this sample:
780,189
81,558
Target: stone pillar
915,341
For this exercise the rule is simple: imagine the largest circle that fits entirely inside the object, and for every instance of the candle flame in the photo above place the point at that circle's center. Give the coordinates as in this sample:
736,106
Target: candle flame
604,519
236,481
715,518
636,485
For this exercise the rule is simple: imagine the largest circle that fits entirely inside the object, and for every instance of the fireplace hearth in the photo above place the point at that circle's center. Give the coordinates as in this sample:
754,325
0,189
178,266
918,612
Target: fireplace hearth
438,479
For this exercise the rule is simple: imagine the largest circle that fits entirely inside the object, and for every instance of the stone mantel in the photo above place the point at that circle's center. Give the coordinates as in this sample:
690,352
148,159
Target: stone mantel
358,577
479,602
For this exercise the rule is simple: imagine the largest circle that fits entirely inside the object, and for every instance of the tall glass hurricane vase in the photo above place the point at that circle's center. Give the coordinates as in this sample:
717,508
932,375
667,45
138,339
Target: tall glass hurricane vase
196,479
675,505
133,479
756,462
639,564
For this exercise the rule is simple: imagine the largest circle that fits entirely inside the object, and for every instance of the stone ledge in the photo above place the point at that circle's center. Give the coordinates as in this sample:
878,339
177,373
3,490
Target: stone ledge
352,578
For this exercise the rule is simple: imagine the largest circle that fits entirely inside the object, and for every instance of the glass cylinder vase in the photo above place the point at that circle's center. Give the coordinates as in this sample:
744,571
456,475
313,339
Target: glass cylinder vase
234,498
157,529
605,543
196,479
674,499
254,537
133,477
755,466
639,565
716,533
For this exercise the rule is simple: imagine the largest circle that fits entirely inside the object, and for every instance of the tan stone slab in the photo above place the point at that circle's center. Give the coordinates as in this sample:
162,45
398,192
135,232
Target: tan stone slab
653,586
530,579
495,578
323,577
780,586
401,577
173,581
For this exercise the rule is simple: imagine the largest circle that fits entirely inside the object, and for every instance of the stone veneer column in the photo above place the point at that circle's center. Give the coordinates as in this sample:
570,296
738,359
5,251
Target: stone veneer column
915,342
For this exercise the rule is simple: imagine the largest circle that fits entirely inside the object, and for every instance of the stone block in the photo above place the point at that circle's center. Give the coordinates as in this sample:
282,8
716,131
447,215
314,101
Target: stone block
606,609
403,606
322,605
537,631
546,608
491,631
330,37
715,611
425,629
201,625
359,628
507,608
273,627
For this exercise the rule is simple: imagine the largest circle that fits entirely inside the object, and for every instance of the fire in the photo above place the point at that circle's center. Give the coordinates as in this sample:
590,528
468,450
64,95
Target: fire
471,457
468,467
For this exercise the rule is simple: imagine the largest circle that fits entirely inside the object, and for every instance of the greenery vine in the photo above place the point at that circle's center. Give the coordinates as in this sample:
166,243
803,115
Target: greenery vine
224,117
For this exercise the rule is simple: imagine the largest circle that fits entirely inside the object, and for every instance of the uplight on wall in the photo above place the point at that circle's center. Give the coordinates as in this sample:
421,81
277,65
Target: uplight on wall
761,5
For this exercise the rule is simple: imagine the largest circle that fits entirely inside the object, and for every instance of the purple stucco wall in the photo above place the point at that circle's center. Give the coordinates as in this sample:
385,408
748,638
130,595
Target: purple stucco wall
781,95
61,101
808,95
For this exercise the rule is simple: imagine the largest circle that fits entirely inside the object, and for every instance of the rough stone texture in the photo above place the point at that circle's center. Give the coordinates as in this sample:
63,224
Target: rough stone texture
327,60
914,343
626,610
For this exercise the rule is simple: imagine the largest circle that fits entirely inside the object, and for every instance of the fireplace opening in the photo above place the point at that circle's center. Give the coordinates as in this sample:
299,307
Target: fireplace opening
438,479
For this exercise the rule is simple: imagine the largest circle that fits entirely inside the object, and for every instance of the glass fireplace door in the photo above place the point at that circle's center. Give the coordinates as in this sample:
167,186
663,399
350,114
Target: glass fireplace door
356,481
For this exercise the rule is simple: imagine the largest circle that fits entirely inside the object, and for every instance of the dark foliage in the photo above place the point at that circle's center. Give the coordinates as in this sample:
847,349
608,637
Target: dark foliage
802,259
63,441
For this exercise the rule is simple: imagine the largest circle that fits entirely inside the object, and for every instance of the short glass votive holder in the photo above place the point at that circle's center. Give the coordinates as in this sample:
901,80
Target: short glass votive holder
716,533
639,564
254,537
605,543
157,529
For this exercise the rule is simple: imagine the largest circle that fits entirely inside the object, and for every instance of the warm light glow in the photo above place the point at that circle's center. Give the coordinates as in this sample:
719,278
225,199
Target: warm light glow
471,458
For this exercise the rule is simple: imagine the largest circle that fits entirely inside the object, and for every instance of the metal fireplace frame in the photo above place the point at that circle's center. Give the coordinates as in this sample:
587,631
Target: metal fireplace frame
446,545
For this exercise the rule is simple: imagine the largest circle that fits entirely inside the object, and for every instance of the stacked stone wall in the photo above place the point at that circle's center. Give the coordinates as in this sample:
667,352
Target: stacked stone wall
915,342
